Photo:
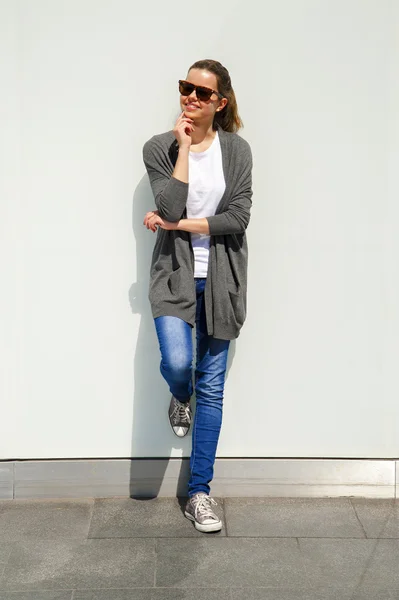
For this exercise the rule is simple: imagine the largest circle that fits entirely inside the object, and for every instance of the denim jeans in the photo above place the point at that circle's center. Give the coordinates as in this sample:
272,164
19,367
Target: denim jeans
175,344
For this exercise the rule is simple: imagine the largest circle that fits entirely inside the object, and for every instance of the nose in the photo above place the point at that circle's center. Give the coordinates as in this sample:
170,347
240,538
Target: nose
192,97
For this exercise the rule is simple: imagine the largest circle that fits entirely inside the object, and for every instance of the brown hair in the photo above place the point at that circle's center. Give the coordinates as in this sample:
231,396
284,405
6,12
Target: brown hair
228,118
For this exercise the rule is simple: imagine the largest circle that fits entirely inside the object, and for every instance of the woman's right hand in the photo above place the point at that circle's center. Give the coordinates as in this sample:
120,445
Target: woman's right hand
182,130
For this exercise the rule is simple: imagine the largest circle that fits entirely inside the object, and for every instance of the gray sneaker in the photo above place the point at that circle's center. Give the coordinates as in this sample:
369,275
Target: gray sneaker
180,417
199,510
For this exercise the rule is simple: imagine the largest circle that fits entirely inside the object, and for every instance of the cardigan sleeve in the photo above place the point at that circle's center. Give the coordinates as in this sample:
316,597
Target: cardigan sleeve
170,194
236,218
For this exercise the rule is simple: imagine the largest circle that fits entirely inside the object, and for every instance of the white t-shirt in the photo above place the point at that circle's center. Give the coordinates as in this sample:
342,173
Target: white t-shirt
205,188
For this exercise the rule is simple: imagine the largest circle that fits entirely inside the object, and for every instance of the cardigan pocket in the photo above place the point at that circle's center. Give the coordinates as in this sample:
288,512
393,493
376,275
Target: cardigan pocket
174,283
237,302
171,288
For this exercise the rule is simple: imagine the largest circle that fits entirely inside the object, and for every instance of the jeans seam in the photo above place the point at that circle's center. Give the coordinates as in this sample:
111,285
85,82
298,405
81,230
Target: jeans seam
193,443
194,436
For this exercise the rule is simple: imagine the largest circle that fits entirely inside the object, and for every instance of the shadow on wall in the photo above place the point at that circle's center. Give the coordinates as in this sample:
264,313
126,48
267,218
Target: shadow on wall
152,436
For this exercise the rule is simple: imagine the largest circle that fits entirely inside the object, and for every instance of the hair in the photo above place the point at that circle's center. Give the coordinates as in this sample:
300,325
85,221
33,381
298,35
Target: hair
228,118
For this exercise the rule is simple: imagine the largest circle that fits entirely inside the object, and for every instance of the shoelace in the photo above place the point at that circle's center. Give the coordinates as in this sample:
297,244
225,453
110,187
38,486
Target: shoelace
203,506
180,414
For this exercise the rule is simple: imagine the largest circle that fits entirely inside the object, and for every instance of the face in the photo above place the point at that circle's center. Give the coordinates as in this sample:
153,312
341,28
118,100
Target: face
202,110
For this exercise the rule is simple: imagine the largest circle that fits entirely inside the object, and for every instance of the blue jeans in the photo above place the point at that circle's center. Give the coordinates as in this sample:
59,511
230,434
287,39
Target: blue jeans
175,344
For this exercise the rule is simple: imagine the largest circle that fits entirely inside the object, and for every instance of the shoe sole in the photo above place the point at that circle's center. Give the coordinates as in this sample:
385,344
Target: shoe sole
204,528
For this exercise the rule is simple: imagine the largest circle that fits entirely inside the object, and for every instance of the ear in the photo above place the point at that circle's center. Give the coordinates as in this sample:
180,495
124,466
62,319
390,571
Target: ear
222,104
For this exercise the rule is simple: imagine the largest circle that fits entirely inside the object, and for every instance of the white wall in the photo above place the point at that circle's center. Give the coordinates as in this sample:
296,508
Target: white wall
84,85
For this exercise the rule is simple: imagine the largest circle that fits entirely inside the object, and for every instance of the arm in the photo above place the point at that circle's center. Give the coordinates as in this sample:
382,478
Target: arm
236,218
193,225
170,191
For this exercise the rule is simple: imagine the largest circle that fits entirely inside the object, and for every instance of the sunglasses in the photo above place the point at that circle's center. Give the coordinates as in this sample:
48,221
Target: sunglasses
202,93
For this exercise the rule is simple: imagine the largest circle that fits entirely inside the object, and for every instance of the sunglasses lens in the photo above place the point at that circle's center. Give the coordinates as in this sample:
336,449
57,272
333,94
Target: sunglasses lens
203,93
185,88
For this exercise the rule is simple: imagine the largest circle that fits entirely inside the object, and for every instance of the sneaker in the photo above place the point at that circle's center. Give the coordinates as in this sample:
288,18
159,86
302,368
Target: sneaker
199,510
180,417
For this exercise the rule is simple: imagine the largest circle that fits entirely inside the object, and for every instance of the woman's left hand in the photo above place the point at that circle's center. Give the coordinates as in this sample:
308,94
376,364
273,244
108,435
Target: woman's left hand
152,220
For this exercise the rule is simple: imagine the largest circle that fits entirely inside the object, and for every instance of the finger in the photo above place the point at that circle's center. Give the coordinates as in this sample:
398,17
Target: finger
152,221
183,119
148,216
153,225
149,222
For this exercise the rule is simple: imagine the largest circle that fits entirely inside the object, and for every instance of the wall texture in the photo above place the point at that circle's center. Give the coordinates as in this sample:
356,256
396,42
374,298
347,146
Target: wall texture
85,84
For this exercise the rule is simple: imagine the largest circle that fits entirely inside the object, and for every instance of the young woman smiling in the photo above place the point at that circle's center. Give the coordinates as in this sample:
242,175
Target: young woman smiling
201,177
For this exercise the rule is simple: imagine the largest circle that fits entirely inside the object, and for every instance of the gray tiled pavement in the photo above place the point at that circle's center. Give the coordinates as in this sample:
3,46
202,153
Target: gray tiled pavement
145,549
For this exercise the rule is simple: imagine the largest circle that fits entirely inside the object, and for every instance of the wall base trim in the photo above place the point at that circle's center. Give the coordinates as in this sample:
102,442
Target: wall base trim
152,477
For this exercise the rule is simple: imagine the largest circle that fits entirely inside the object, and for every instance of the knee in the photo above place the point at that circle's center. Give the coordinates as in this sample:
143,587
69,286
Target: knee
177,366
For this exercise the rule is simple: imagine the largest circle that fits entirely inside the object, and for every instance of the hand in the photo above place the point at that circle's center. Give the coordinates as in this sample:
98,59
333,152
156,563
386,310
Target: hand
152,220
183,129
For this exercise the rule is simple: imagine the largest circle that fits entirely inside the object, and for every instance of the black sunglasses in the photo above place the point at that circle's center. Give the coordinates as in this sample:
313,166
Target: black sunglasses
202,93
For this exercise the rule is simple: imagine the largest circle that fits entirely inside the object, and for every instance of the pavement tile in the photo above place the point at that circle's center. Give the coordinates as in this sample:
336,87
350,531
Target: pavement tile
375,594
154,517
379,516
42,595
156,594
382,571
298,594
50,519
292,517
88,564
210,562
336,563
391,526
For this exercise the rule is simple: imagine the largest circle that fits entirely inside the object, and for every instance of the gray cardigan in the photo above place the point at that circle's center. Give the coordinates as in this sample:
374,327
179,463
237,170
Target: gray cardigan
172,284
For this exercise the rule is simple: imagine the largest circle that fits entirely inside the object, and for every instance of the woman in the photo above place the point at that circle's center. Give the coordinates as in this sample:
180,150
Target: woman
201,177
